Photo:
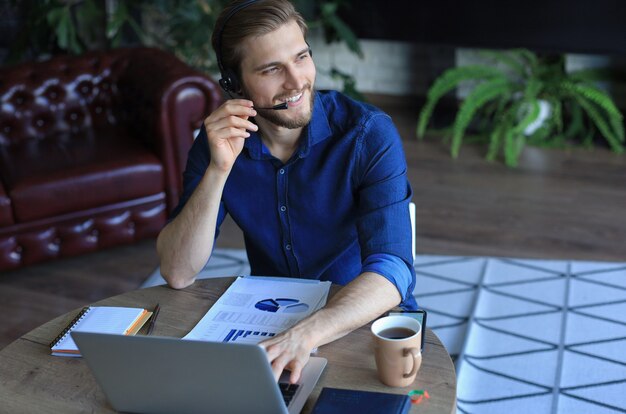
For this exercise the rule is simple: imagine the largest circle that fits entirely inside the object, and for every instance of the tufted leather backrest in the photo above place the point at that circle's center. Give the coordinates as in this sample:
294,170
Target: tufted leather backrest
63,96
92,149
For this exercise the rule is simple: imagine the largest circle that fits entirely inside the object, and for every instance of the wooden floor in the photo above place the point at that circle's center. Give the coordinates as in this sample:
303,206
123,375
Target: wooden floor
557,204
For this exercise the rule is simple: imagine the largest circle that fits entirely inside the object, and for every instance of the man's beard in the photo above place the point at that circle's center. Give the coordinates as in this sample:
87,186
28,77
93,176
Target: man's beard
277,117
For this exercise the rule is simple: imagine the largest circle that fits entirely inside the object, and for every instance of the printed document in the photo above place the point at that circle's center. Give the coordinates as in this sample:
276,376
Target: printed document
255,308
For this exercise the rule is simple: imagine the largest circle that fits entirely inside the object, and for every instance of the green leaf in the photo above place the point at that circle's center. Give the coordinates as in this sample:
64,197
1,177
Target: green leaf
576,124
482,94
557,113
527,55
513,145
532,89
329,8
618,126
136,28
55,15
540,137
532,110
89,19
344,33
594,94
55,19
495,140
588,138
349,84
61,20
604,128
449,80
116,22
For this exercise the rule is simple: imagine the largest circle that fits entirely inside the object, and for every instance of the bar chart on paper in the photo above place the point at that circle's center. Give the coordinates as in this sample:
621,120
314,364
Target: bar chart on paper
243,336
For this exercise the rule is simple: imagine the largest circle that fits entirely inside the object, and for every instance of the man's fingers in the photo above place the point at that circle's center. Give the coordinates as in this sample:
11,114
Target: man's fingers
286,354
230,121
238,107
231,127
233,113
277,367
273,351
277,358
239,122
296,370
228,132
239,102
282,361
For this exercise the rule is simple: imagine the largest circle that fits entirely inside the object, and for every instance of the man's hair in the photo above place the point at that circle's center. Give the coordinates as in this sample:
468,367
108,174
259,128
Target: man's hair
257,19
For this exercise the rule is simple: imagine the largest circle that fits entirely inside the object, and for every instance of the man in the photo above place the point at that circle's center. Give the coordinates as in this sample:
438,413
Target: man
319,189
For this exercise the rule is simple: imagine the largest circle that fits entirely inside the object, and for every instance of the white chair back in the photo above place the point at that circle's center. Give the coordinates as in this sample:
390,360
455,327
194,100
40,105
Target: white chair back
413,229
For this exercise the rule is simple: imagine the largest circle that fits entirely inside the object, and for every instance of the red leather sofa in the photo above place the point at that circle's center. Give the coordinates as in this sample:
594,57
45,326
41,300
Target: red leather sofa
92,149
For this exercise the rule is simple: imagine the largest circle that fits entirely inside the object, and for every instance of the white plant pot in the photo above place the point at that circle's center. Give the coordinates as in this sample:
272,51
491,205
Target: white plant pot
545,111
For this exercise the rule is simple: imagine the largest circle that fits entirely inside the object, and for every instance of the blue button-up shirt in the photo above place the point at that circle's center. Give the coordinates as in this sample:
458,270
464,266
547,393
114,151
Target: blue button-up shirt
337,208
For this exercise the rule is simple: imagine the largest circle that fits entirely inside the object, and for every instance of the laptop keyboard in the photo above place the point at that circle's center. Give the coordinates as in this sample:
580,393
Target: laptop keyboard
288,391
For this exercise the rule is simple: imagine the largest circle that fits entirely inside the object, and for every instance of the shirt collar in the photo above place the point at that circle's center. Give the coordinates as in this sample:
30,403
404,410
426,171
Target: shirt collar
316,131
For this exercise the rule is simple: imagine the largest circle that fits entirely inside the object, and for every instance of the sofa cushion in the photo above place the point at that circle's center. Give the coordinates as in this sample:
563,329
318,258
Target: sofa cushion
69,173
6,215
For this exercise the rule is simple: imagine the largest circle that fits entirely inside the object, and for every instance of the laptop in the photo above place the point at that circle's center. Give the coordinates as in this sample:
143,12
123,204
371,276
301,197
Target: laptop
150,374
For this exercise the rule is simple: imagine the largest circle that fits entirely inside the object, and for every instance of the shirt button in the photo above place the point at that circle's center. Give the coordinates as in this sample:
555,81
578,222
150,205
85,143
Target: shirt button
283,208
288,247
282,171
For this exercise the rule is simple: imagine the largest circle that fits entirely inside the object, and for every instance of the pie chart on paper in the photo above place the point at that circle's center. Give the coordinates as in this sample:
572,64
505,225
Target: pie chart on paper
281,305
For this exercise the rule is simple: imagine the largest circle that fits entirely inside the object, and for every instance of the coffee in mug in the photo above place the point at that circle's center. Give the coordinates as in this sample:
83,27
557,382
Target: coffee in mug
397,343
397,333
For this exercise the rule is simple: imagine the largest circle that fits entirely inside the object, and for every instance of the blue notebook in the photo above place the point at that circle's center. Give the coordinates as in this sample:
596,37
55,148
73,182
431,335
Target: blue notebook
340,401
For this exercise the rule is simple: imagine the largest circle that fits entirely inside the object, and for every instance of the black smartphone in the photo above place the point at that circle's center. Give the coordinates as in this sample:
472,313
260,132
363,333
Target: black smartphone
420,315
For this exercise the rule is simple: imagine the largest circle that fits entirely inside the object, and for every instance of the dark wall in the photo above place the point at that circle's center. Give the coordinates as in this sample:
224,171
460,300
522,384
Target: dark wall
574,26
8,28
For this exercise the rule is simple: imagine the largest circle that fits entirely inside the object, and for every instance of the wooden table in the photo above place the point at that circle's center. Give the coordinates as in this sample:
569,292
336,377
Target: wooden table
31,380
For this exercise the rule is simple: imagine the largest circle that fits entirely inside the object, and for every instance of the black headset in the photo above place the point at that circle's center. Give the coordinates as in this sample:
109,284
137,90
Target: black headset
229,81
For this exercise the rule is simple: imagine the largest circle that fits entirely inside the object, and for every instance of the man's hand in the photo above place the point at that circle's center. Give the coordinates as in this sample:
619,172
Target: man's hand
227,128
288,350
363,299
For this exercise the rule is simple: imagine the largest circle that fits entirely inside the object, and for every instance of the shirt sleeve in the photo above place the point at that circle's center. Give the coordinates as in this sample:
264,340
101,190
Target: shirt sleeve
383,193
197,162
397,272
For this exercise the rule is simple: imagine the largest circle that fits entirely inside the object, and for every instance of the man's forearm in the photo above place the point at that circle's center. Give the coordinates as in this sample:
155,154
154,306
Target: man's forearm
184,245
359,302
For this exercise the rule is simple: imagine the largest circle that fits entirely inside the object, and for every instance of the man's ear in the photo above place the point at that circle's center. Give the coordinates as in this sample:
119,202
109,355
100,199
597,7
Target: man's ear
241,91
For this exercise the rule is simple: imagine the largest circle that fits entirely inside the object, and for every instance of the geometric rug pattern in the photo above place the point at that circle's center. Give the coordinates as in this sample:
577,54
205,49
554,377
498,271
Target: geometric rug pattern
527,336
530,335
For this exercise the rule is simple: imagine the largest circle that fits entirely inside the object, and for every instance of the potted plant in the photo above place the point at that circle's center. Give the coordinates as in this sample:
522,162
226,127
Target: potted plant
524,99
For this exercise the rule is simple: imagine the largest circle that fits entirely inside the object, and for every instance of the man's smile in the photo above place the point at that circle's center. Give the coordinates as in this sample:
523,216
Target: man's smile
293,99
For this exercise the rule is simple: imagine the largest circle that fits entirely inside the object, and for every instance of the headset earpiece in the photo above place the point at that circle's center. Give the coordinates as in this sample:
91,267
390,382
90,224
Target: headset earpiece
229,81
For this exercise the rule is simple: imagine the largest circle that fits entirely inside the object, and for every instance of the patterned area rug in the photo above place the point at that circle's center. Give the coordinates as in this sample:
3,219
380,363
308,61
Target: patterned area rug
526,335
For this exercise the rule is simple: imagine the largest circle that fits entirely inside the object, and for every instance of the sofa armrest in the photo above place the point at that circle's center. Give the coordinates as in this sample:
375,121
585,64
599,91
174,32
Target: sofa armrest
165,101
6,212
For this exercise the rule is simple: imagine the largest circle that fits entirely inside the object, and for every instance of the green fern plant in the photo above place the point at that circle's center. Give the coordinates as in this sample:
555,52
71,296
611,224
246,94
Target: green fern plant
513,97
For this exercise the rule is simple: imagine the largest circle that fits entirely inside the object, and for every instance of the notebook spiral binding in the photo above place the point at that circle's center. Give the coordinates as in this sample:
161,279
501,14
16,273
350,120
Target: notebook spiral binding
69,326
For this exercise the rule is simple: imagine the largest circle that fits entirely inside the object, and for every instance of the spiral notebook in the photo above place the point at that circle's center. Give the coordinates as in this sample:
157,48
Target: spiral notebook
99,319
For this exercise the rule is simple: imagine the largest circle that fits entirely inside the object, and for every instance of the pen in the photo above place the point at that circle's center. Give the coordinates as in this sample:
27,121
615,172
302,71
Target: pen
157,308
